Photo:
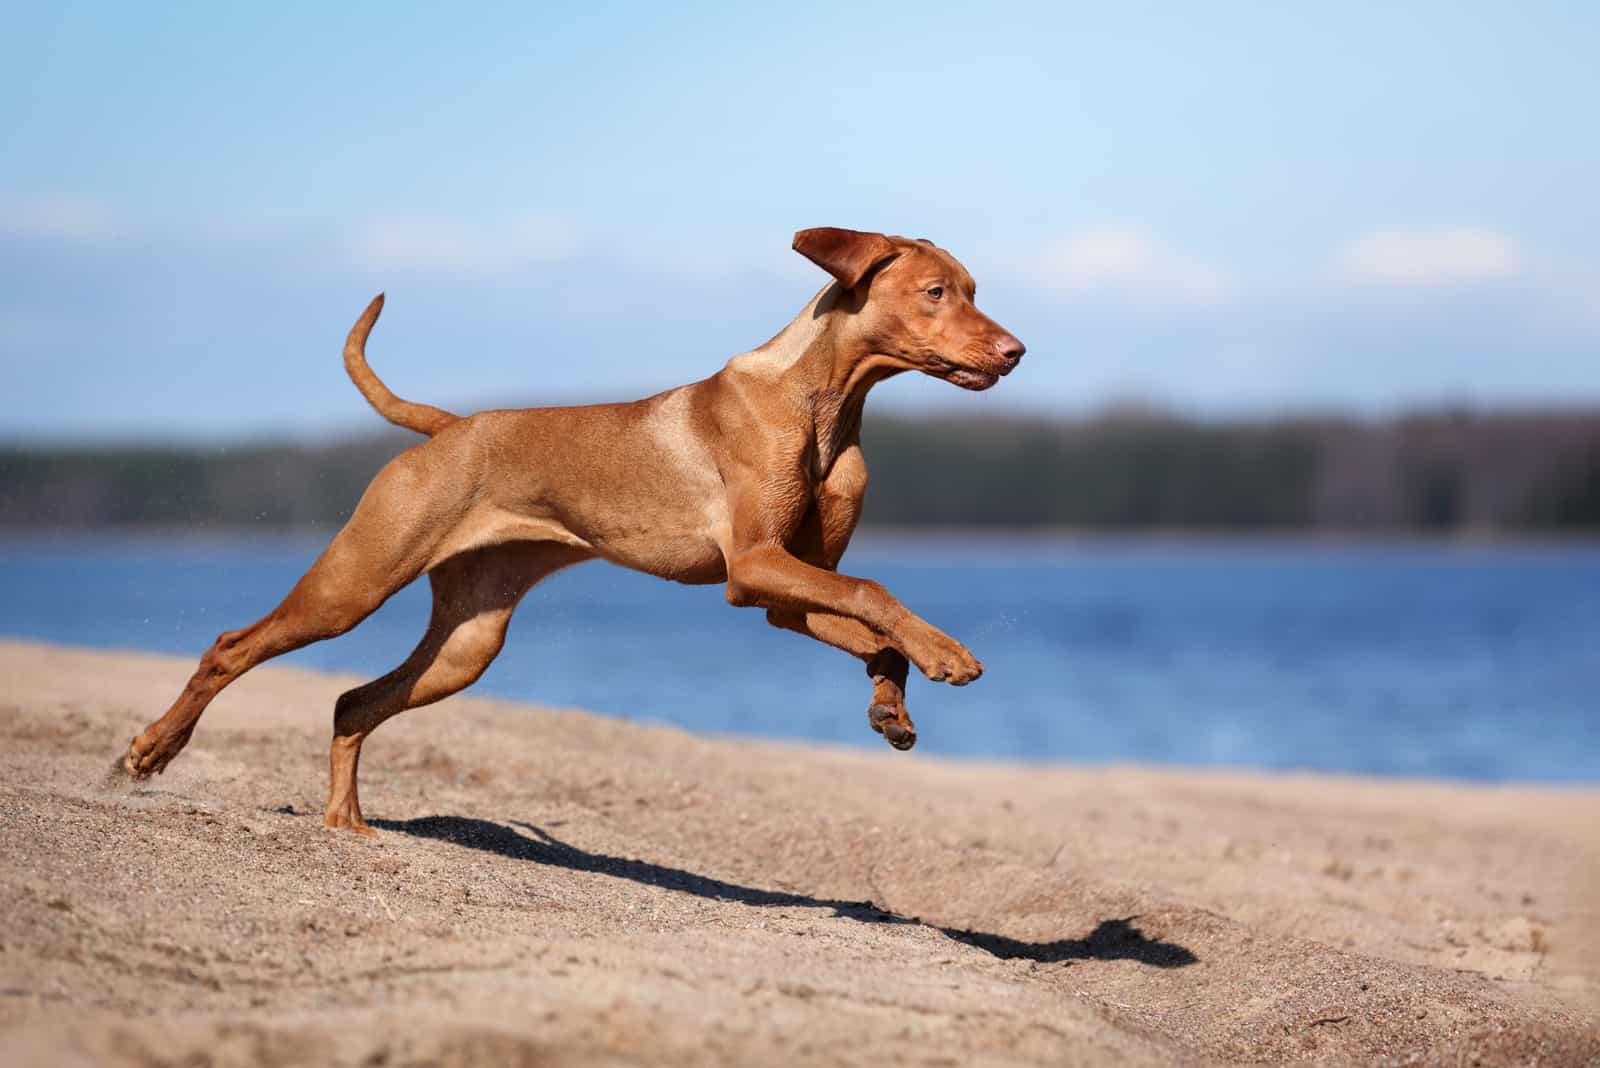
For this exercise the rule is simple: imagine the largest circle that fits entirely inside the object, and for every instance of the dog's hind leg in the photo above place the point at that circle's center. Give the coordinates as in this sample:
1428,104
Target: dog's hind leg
383,547
885,664
887,713
474,594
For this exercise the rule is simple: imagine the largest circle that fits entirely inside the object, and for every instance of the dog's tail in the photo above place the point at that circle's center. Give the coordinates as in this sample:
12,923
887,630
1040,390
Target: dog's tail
423,418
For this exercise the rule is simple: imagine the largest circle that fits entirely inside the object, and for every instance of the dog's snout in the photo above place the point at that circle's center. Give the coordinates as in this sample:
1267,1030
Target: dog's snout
1009,348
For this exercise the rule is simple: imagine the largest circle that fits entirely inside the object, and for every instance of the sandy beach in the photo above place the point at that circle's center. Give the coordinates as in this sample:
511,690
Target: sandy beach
558,887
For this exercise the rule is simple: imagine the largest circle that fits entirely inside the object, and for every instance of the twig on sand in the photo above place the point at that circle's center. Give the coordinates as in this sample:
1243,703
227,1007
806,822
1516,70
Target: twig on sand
392,917
1104,1001
1321,1020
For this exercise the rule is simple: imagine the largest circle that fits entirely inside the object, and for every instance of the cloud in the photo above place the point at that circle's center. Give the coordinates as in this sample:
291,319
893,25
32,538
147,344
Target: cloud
54,216
1430,258
1460,271
456,246
1129,264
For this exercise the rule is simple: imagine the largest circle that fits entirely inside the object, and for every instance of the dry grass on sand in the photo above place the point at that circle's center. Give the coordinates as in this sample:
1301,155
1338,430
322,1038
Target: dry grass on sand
557,887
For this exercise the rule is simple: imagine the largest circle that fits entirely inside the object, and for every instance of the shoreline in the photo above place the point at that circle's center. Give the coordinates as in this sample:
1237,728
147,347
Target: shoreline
871,745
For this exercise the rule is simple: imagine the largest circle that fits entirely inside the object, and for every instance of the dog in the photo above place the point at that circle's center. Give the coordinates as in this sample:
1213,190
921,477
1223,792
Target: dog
752,477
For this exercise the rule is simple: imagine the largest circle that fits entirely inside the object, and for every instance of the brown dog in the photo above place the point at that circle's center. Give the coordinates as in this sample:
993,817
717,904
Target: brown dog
753,477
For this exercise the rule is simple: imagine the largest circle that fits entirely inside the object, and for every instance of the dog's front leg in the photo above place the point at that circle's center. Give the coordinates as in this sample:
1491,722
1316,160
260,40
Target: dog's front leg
768,576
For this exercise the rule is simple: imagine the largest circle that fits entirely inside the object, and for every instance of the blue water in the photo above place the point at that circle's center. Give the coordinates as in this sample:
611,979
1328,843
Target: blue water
1474,664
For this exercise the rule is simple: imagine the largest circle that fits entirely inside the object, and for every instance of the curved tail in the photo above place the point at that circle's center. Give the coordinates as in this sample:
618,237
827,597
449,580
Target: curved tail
423,418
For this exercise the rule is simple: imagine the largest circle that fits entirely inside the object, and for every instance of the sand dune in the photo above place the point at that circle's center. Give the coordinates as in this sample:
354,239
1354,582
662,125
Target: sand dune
563,887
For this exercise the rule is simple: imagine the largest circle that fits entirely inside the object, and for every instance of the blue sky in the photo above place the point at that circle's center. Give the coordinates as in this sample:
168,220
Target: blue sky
1225,207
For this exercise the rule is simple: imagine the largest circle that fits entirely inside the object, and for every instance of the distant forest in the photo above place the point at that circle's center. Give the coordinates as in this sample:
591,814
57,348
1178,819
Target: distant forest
1436,472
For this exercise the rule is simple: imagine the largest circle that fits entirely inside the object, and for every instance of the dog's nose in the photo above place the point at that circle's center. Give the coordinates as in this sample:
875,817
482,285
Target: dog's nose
1009,348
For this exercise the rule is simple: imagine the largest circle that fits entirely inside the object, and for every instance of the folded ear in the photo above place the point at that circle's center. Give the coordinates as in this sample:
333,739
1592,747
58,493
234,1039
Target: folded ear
846,254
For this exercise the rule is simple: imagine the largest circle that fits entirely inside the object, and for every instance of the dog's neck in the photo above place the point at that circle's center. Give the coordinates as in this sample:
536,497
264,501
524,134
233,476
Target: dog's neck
837,406
822,369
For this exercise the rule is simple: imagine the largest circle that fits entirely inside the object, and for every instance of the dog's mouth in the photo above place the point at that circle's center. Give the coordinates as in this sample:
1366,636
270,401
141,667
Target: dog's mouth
967,378
976,379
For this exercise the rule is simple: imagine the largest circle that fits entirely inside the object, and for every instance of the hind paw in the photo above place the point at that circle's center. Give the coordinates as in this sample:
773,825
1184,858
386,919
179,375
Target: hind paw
894,724
344,821
147,756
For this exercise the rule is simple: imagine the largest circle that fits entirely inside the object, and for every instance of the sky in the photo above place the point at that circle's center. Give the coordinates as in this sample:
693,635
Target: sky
1227,208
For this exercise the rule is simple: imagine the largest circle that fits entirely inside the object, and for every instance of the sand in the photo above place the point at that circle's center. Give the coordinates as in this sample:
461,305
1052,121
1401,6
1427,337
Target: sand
559,887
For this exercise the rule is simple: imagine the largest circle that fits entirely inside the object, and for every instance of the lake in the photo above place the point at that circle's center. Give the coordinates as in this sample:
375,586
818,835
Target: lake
1470,663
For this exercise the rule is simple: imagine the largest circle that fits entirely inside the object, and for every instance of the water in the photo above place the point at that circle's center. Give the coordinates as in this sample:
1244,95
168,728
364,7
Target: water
1472,664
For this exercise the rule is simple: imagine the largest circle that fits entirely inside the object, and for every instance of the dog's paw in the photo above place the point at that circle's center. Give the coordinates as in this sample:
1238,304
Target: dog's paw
958,673
947,660
147,757
137,763
943,659
894,724
345,819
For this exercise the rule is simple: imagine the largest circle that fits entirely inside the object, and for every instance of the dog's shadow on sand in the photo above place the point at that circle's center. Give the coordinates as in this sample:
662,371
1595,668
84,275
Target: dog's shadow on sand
1111,940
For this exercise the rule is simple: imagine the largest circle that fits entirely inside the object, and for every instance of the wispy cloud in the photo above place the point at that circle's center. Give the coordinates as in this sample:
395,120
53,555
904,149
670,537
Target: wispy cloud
456,246
1427,258
1451,269
1126,272
1130,264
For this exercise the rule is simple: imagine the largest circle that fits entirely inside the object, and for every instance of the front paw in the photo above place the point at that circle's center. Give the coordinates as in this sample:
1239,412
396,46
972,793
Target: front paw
947,660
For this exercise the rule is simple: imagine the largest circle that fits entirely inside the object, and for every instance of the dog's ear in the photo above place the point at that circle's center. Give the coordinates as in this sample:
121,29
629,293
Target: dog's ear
846,254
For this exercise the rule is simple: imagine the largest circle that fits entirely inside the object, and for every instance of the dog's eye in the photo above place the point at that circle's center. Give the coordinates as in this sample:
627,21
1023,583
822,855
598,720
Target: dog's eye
936,292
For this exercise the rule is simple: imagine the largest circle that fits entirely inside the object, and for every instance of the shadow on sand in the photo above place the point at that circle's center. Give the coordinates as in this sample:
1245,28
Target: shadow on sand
1111,940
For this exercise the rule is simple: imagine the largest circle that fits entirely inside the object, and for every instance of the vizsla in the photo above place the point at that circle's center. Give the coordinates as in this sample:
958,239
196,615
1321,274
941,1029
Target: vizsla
752,477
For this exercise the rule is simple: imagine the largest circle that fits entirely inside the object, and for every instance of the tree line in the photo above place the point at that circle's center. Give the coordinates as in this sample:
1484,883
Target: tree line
1435,472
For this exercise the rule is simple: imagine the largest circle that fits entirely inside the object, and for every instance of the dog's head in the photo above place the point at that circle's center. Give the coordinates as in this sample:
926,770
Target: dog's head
911,303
